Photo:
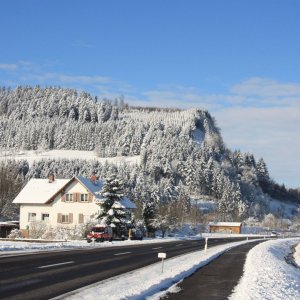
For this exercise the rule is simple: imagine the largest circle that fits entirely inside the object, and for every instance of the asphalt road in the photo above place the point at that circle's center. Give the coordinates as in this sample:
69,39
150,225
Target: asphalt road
216,280
49,274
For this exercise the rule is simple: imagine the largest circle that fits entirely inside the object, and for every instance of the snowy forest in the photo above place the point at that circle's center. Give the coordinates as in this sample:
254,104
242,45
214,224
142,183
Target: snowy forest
183,159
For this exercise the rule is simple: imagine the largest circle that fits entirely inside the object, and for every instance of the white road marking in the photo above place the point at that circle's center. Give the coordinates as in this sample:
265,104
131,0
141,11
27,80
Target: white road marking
122,253
178,245
156,248
54,265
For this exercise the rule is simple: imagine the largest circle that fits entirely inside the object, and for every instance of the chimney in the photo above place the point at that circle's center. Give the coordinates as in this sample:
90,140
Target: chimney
93,178
51,178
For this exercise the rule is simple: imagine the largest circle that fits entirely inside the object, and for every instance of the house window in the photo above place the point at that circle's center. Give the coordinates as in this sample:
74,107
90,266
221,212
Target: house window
45,217
69,197
84,197
65,218
31,217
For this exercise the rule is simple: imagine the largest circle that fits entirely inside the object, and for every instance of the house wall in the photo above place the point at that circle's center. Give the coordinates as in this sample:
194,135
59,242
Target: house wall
225,229
58,206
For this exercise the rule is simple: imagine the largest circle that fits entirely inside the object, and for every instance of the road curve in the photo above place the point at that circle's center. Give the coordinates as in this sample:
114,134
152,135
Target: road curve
215,280
50,274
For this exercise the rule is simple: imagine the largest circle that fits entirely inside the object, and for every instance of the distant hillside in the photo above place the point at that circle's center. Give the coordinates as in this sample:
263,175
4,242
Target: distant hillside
182,154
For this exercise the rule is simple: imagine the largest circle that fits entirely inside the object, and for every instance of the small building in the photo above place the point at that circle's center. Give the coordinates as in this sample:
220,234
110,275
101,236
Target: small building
7,227
225,227
62,202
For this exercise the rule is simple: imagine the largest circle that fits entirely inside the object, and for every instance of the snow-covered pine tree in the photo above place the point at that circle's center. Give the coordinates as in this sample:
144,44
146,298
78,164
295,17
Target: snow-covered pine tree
111,211
148,214
262,171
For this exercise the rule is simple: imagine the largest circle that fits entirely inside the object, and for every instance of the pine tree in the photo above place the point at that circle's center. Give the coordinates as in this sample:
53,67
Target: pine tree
262,171
111,211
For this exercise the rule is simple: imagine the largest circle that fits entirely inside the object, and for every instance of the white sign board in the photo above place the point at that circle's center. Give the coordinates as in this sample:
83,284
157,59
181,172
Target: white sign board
162,255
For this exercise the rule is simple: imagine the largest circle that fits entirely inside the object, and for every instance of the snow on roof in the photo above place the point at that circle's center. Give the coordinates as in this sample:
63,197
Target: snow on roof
93,186
7,224
125,203
39,191
122,203
224,223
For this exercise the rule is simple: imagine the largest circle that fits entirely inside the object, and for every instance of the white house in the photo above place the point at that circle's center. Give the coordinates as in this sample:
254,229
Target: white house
61,202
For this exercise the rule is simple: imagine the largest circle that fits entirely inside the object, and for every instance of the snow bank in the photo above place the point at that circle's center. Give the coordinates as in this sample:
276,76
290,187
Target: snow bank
297,255
267,275
149,280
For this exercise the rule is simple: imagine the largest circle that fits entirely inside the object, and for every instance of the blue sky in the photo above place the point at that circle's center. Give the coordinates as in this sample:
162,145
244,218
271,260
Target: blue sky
238,59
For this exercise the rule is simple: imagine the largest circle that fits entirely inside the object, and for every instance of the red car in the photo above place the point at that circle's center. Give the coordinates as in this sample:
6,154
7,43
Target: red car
100,233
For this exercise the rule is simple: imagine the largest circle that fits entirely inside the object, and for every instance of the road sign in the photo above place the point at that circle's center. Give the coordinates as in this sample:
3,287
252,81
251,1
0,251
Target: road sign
162,255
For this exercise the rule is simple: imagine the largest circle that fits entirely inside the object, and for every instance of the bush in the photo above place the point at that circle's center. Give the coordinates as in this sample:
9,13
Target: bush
37,229
15,234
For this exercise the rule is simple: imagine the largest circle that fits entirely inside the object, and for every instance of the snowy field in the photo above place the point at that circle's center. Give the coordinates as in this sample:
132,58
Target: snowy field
38,155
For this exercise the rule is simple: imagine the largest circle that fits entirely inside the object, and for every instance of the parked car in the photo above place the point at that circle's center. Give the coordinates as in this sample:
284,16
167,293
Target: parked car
100,233
136,234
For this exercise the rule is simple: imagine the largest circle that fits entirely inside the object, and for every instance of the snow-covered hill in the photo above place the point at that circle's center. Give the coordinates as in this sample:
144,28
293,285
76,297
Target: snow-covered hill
163,155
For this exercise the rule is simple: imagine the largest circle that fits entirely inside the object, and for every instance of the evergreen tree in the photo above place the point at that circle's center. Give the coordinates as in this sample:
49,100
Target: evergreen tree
111,211
262,171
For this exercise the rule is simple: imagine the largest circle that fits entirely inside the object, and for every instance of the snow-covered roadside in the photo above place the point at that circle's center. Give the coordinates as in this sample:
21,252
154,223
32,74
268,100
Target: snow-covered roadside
297,254
267,275
21,246
148,282
11,247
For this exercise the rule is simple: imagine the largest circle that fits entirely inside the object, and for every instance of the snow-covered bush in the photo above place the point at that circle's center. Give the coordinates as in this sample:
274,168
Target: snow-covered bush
188,230
70,233
269,221
37,229
49,234
15,234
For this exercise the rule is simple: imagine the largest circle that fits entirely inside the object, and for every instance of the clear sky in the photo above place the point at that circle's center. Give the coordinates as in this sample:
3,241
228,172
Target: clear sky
237,59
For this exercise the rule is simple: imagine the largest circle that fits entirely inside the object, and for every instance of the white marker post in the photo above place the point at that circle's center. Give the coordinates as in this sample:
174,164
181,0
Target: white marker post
162,256
206,241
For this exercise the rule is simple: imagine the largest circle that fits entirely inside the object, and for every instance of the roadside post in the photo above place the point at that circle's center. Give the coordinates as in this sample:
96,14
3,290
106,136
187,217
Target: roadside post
206,241
162,255
93,239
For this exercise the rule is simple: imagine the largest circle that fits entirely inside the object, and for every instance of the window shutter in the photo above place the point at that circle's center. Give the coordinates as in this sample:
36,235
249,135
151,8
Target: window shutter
70,218
90,197
80,218
58,218
77,197
63,197
74,197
